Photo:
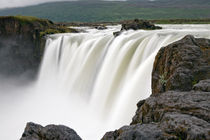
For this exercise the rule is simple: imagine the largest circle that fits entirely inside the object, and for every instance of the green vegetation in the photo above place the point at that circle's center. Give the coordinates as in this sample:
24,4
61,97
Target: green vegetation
182,21
48,31
29,20
163,79
100,11
56,30
32,20
34,25
194,82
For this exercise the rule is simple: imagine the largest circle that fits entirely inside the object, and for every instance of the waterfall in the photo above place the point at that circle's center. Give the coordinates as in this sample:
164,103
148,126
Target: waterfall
92,81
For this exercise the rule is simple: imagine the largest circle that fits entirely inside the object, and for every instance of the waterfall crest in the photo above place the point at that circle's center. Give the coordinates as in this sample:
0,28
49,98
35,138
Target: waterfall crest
111,74
92,81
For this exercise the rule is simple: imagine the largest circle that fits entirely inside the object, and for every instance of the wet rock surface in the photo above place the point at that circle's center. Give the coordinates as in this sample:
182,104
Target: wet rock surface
179,106
50,132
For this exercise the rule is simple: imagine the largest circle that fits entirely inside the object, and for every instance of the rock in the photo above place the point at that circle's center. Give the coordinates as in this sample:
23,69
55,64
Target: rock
179,106
136,25
203,85
22,42
169,115
186,127
194,103
50,132
139,24
135,132
117,33
181,65
101,27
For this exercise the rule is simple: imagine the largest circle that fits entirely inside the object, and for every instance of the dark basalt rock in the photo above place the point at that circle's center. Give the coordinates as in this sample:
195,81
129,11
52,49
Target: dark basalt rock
139,24
194,103
117,33
181,65
170,115
50,132
135,132
22,42
136,25
180,107
101,27
203,85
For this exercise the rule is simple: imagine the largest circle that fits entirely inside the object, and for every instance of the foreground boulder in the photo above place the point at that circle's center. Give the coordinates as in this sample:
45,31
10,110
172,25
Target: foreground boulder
171,115
174,111
22,41
50,132
136,25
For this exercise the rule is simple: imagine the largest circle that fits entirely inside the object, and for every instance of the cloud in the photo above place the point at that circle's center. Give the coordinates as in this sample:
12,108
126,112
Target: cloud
21,3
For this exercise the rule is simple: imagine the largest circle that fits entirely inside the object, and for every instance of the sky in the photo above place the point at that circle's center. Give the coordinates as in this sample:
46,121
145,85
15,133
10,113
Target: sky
20,3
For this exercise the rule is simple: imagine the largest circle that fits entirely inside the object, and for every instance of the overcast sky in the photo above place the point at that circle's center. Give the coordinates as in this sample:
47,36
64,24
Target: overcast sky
19,3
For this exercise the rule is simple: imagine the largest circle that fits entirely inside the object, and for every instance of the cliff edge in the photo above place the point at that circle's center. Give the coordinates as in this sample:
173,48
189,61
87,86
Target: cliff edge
22,42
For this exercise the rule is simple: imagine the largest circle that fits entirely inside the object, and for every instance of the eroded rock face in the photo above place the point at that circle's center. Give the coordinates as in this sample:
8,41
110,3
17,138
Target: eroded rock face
179,106
194,103
50,132
170,115
181,65
22,43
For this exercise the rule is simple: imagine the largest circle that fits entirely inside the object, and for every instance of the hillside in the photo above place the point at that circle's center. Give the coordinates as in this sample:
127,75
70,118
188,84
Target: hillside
97,11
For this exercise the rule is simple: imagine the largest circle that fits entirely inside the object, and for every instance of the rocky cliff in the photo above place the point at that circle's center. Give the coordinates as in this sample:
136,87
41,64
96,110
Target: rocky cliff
179,106
22,41
181,65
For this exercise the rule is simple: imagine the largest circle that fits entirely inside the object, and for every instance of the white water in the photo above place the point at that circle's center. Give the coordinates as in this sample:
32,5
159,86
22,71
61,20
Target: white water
90,81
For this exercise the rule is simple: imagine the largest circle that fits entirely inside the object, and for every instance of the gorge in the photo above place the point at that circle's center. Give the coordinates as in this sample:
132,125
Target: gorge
90,81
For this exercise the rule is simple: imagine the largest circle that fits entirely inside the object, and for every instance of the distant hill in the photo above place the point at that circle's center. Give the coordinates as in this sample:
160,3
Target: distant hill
97,11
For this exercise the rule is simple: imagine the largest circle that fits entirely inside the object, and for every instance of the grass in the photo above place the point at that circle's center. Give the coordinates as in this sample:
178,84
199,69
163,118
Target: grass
34,25
30,20
182,21
107,11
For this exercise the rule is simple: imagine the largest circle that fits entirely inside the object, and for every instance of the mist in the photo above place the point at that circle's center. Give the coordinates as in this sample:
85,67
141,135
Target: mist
20,104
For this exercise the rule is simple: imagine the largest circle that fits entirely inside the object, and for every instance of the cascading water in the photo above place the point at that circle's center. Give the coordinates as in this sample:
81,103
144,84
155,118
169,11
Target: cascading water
89,81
